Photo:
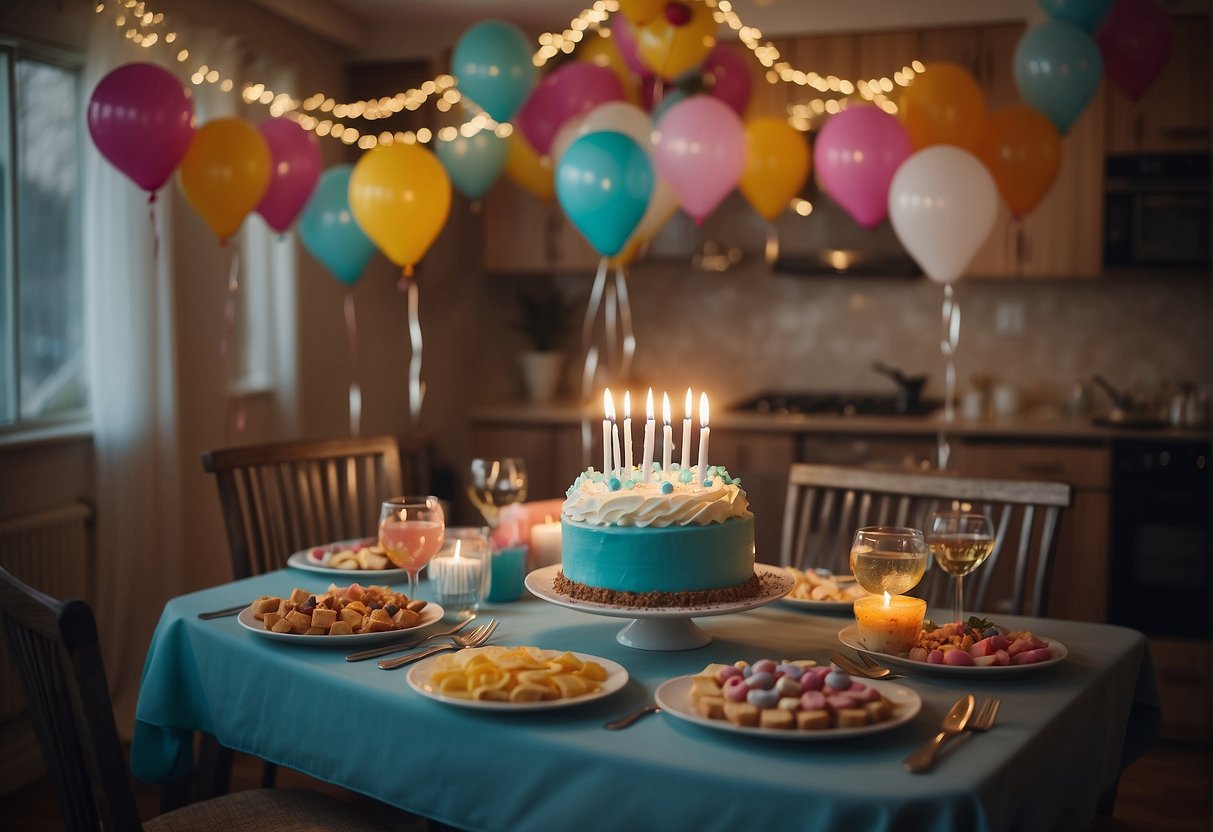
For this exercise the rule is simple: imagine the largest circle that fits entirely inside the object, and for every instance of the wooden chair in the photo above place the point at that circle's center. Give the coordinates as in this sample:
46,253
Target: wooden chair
55,647
286,496
827,503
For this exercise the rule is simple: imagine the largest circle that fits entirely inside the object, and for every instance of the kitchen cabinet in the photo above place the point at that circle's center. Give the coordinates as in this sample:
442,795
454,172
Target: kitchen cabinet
880,54
1173,114
524,235
552,453
1184,668
766,98
761,461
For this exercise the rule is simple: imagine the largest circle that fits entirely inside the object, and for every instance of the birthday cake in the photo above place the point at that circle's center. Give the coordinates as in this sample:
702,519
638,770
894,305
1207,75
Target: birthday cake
677,540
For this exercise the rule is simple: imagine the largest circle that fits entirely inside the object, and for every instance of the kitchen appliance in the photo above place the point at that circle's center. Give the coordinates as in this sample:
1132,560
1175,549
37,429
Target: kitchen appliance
1160,557
1156,211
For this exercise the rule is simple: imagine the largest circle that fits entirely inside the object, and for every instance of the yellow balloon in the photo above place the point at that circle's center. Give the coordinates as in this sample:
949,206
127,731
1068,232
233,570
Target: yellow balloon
225,173
670,50
600,51
400,196
776,165
944,105
625,257
641,12
527,169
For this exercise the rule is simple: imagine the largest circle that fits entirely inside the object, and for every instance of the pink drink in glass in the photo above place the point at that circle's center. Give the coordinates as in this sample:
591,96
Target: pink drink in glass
411,544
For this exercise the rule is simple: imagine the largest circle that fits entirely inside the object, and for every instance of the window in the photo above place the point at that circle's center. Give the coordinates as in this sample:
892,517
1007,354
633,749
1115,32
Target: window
42,369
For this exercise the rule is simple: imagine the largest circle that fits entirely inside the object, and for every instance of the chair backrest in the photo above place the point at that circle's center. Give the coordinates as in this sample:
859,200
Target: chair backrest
58,657
282,497
827,503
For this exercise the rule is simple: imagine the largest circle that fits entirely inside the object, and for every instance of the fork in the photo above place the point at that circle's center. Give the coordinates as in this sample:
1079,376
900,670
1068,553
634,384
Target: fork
475,638
400,646
984,716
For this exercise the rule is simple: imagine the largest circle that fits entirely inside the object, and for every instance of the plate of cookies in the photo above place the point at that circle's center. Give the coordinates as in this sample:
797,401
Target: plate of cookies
788,700
821,591
348,557
339,616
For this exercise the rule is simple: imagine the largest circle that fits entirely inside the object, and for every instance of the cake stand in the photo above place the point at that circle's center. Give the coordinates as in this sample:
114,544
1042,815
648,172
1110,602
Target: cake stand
663,628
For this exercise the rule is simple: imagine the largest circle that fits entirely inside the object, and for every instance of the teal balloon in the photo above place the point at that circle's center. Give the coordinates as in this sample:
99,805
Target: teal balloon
668,100
1086,14
474,163
492,65
604,182
328,230
1057,71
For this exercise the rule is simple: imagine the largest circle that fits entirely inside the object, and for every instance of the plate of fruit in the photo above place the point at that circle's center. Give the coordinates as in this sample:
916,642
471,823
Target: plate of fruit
973,648
348,557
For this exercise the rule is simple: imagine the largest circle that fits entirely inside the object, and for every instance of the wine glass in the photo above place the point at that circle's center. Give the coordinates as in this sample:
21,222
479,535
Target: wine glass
889,559
960,542
411,530
497,482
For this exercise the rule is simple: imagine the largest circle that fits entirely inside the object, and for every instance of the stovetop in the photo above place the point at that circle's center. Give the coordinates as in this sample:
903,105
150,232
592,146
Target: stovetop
836,404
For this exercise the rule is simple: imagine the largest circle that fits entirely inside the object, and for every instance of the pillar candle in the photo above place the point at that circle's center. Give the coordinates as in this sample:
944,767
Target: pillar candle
627,433
646,461
889,624
703,436
686,435
667,436
608,410
545,544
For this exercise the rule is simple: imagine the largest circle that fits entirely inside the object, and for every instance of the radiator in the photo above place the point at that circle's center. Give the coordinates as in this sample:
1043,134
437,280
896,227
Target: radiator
50,551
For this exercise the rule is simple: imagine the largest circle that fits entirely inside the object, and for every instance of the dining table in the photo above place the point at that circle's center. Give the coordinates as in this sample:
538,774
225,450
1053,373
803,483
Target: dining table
1064,732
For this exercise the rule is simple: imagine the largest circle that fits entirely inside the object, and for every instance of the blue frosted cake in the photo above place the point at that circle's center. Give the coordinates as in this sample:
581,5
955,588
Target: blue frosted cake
673,541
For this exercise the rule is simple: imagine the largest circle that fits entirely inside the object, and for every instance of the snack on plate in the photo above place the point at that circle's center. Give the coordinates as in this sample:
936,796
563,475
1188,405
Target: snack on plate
813,587
365,555
978,642
339,611
788,695
515,674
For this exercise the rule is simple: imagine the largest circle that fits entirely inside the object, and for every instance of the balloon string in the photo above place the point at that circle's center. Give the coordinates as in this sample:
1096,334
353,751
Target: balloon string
609,314
351,337
416,388
591,311
151,218
587,388
950,315
625,322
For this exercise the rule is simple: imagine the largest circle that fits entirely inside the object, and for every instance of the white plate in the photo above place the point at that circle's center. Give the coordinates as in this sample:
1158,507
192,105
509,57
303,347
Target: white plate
833,607
674,698
303,560
432,612
617,676
850,637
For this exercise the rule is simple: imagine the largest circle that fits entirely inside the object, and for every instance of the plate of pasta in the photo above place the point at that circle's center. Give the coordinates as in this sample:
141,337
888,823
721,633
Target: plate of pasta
498,678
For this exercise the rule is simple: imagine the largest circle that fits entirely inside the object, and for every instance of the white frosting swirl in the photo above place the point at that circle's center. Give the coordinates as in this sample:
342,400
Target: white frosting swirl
591,501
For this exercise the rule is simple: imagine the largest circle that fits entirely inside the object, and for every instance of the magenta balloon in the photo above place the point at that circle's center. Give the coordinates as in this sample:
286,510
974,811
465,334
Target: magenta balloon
726,73
570,90
856,155
296,170
1135,41
625,42
700,149
142,120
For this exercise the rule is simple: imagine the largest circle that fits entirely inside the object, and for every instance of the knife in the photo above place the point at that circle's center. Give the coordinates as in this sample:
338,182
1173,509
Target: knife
955,721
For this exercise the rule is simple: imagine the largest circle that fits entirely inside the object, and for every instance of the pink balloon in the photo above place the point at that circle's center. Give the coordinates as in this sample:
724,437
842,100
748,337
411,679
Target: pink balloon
726,73
625,42
1135,41
856,155
141,118
699,149
295,172
570,90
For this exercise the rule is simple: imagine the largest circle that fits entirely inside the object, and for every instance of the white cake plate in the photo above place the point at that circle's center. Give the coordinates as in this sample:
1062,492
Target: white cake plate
663,628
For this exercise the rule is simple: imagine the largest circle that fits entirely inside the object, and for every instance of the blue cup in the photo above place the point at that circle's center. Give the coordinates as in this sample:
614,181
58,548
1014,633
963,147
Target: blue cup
508,566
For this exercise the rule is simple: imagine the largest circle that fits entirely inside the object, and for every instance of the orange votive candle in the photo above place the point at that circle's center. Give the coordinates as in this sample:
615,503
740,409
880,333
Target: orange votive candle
889,624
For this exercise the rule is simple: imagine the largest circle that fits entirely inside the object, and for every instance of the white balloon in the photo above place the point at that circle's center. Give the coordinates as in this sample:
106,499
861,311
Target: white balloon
568,133
662,205
943,203
620,117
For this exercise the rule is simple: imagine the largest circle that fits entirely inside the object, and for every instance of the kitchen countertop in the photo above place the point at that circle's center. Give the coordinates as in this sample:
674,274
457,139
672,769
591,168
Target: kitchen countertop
1043,426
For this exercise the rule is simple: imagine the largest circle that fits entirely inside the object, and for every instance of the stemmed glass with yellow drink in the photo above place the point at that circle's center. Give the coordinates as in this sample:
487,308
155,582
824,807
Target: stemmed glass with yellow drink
889,559
411,531
960,542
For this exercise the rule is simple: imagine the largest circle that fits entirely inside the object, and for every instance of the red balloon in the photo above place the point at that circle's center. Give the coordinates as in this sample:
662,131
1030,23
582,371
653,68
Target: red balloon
726,73
1135,41
294,172
141,118
570,90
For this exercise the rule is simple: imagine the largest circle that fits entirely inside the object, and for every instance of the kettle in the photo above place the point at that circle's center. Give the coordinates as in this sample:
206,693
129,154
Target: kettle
1188,407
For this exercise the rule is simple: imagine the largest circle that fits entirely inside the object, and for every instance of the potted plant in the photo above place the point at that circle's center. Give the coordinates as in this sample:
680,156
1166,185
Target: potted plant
545,319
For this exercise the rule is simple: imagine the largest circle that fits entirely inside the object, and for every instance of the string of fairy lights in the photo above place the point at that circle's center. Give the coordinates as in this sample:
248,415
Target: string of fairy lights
324,115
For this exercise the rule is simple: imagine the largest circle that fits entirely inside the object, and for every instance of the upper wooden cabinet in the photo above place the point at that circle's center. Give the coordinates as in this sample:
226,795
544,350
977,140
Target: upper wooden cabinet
1173,114
524,235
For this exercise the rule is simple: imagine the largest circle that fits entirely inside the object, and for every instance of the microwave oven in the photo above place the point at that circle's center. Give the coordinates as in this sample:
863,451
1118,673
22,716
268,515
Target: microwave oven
1156,211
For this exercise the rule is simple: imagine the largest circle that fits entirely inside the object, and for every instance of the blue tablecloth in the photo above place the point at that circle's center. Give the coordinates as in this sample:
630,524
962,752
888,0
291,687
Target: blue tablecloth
1064,733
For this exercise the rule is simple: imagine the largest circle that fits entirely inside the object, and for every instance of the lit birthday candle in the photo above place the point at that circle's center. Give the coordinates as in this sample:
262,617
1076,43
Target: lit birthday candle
703,436
608,413
667,436
646,461
686,435
627,433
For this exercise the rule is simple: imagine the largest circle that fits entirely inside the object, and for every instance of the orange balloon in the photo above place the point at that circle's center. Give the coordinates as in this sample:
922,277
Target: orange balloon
528,170
776,165
944,105
225,173
641,12
1022,150
600,51
670,50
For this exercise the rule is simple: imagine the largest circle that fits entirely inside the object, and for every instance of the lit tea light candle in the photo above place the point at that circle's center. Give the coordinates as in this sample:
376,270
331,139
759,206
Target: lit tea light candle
627,432
686,435
457,579
608,415
646,461
667,436
704,431
889,624
545,544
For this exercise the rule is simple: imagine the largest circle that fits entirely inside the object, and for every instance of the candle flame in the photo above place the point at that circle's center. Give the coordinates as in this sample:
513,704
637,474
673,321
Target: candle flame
887,599
648,406
703,410
665,407
627,404
608,404
458,542
688,402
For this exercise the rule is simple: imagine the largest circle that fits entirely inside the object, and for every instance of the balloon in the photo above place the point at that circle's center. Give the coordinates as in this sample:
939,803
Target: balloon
944,105
777,165
570,90
142,120
1135,41
641,11
857,153
328,231
699,148
604,51
604,183
943,204
624,37
527,170
400,195
726,73
492,62
669,98
1022,151
295,169
565,136
474,162
677,40
225,173
1085,14
1057,70
662,205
